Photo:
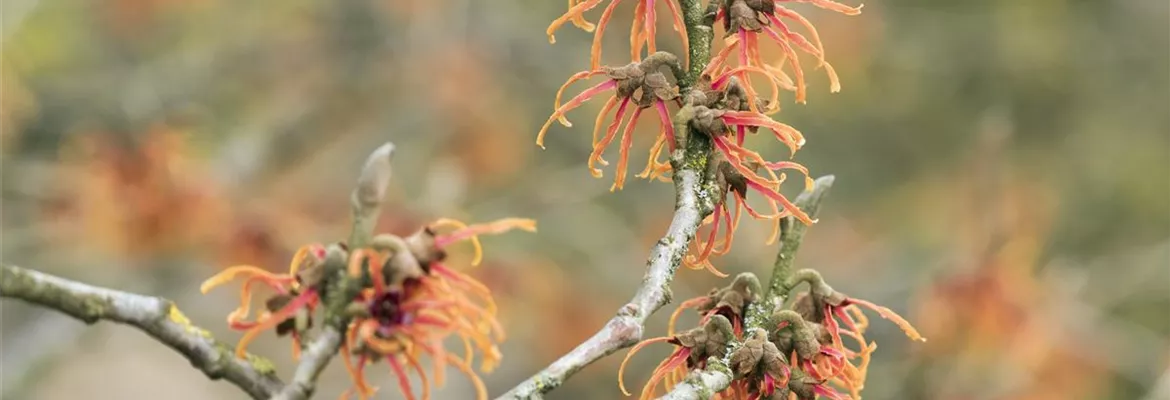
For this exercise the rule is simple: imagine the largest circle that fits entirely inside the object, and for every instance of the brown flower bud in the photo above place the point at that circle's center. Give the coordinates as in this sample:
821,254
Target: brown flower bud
740,15
629,78
745,359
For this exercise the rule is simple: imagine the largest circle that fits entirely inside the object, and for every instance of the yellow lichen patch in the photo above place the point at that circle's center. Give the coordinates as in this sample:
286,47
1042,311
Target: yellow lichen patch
261,364
179,318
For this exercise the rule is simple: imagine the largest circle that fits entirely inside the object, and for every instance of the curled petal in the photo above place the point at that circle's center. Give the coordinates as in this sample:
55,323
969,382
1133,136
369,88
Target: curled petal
305,299
827,392
681,28
561,92
422,375
653,166
741,71
573,14
400,375
893,317
639,346
467,283
472,232
236,317
579,20
651,21
354,370
713,66
729,232
302,257
480,389
609,105
785,133
784,202
595,48
794,62
689,304
637,38
230,273
610,134
624,152
572,104
664,119
797,39
735,157
808,181
676,359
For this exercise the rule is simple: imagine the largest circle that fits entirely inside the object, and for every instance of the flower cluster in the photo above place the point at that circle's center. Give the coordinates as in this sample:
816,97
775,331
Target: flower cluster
641,83
798,350
743,22
298,293
721,105
691,351
409,303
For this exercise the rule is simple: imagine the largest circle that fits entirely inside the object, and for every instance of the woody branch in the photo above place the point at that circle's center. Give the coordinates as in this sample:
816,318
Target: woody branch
156,316
694,201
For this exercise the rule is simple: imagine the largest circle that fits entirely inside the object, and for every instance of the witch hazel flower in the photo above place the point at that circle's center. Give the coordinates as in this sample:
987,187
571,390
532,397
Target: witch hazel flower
813,331
724,116
731,302
414,302
760,368
745,20
738,174
641,84
289,310
643,30
402,325
691,350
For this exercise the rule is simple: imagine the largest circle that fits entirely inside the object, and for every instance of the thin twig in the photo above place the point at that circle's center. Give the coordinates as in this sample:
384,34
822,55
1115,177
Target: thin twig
366,201
703,384
156,316
313,361
777,291
625,329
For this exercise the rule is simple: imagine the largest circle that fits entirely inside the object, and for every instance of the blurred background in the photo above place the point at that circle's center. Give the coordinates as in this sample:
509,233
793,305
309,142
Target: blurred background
1003,180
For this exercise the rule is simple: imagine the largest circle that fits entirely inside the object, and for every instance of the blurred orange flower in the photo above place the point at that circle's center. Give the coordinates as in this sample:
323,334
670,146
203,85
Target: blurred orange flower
140,200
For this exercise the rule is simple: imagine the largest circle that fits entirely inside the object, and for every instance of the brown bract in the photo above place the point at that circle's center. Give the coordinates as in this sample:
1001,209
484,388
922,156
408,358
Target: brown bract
732,299
741,15
745,359
709,340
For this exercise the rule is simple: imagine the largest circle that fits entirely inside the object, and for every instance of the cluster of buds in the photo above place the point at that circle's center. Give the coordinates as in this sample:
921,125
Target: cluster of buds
798,349
642,83
722,116
409,302
721,105
730,302
692,350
